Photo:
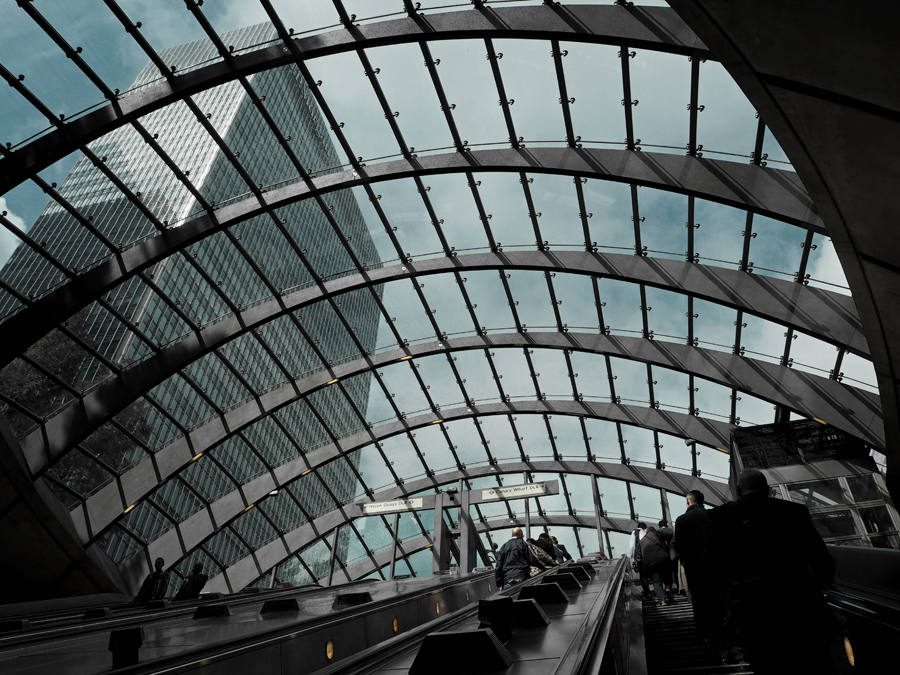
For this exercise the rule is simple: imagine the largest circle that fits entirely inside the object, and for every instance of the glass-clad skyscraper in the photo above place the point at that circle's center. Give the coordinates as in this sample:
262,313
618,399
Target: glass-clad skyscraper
190,283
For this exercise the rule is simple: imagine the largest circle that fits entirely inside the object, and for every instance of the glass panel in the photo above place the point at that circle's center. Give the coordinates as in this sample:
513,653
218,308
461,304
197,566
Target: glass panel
889,541
834,524
817,494
864,488
877,519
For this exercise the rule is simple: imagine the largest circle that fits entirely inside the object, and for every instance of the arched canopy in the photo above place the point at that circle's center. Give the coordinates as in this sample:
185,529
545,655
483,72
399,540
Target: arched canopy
807,394
172,545
183,293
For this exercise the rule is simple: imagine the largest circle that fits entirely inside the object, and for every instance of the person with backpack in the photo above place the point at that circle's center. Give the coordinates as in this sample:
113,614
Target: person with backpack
653,553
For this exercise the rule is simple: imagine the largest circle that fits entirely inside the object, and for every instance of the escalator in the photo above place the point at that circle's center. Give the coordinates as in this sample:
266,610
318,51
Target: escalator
673,646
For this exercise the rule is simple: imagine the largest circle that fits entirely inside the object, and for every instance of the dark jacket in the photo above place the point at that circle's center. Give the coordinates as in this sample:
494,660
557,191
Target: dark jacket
689,541
546,546
514,561
565,554
154,588
190,589
653,549
763,537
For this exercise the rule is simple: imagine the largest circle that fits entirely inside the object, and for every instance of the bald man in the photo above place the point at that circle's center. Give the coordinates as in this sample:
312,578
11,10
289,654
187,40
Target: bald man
515,560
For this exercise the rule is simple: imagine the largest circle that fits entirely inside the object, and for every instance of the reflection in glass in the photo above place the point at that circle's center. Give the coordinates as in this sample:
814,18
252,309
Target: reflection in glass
834,524
817,493
877,519
864,488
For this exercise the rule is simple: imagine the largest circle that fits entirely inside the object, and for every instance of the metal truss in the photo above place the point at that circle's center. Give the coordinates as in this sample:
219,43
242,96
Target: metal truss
772,193
183,537
380,559
852,410
658,29
173,545
821,313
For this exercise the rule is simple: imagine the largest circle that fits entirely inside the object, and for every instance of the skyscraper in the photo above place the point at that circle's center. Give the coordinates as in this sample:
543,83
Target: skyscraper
225,260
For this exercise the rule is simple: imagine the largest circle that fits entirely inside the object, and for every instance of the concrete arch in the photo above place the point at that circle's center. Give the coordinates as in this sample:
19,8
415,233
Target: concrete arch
172,545
826,315
777,194
655,28
851,410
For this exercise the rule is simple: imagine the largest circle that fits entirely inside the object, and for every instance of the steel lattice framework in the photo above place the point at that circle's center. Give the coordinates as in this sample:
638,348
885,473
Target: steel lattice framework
262,542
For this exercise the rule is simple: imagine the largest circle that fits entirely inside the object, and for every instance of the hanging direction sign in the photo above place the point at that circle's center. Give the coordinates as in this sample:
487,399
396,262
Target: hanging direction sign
377,508
520,491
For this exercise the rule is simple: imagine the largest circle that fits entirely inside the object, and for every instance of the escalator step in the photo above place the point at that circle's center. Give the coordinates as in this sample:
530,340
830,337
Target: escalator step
673,647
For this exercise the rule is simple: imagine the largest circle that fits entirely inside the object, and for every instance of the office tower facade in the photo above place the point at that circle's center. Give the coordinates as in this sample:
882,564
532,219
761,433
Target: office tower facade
199,285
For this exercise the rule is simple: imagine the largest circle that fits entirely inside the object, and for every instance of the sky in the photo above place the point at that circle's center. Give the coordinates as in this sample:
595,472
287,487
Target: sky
660,85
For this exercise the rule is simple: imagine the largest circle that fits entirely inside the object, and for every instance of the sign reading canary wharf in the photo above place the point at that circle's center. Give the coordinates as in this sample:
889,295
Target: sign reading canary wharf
515,491
376,508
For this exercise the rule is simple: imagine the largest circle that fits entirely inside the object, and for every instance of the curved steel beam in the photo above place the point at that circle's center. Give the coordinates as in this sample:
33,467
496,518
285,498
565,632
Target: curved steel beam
381,559
852,410
181,539
178,542
826,315
773,193
658,29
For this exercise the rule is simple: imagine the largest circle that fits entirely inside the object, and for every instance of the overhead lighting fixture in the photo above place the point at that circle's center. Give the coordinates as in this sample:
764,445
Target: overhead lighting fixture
332,381
437,421
306,472
249,507
196,457
820,421
405,358
129,508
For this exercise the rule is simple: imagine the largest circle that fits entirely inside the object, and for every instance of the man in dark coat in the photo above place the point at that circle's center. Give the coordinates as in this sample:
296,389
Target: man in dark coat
193,584
777,566
638,566
155,585
543,542
653,554
702,572
671,571
514,560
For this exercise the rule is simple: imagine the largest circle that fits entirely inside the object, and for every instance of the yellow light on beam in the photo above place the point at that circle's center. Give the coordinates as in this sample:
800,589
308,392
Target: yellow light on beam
405,358
129,508
332,381
196,457
820,421
249,507
723,450
306,472
437,421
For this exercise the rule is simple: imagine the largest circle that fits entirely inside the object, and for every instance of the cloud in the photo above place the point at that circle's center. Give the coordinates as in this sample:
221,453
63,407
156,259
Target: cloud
8,242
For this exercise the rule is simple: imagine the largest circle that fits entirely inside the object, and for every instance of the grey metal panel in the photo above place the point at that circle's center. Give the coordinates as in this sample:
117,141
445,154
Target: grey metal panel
825,315
270,554
223,508
651,28
140,481
196,528
106,502
705,431
774,193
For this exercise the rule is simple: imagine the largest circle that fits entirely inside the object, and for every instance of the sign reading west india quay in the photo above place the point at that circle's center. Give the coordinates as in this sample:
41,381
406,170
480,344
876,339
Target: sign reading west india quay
392,506
515,491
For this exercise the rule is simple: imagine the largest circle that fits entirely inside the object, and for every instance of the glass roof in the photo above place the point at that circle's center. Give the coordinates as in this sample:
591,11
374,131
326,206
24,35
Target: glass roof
149,161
